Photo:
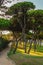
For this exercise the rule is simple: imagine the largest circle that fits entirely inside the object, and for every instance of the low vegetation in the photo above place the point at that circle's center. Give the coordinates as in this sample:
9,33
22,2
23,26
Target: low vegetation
3,43
23,59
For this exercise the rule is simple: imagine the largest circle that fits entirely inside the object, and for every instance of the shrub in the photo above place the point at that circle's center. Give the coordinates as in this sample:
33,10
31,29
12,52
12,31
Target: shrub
3,43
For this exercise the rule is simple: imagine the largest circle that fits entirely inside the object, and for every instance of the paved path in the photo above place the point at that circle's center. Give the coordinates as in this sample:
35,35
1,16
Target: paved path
4,60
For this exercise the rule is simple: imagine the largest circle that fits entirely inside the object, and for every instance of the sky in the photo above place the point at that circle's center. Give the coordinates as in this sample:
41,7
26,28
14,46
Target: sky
37,3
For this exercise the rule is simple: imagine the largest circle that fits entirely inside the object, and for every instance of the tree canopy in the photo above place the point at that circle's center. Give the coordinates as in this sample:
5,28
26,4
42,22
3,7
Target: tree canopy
4,24
18,11
20,6
36,17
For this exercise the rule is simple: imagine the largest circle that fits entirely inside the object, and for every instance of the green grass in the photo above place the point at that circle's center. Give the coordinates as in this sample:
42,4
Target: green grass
40,49
21,59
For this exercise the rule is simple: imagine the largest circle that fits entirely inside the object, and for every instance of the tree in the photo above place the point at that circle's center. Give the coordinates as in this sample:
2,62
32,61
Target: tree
20,18
36,19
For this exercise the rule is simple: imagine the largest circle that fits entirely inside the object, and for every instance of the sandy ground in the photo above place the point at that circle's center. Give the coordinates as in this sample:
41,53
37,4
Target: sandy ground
4,60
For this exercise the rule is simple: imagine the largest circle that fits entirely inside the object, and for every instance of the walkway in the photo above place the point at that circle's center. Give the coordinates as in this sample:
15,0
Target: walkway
4,60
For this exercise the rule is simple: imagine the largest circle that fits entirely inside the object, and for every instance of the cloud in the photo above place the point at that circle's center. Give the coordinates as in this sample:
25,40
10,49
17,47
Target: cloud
8,4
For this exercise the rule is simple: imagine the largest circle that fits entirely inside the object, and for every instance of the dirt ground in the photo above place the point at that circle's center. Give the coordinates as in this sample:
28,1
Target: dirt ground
4,60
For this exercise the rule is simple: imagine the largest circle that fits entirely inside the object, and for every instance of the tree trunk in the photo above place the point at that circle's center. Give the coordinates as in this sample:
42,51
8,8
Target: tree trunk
40,42
25,46
35,44
30,47
15,47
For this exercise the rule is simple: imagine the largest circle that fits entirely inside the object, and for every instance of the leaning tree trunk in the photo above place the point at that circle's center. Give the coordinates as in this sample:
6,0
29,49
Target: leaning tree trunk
25,42
15,47
15,41
35,37
25,45
30,46
24,38
16,44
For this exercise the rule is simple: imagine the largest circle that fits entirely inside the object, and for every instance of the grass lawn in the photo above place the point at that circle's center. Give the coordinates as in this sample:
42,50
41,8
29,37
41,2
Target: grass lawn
40,49
23,59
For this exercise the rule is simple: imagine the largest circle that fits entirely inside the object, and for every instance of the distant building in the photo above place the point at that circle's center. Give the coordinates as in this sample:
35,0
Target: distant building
2,13
5,6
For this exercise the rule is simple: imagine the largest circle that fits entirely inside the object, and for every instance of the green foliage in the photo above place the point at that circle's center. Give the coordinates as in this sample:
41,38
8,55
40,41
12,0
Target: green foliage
40,35
40,48
4,24
3,43
10,52
19,11
36,18
20,6
35,12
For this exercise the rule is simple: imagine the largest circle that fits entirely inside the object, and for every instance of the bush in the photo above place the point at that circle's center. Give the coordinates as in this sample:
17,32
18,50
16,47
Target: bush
3,43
